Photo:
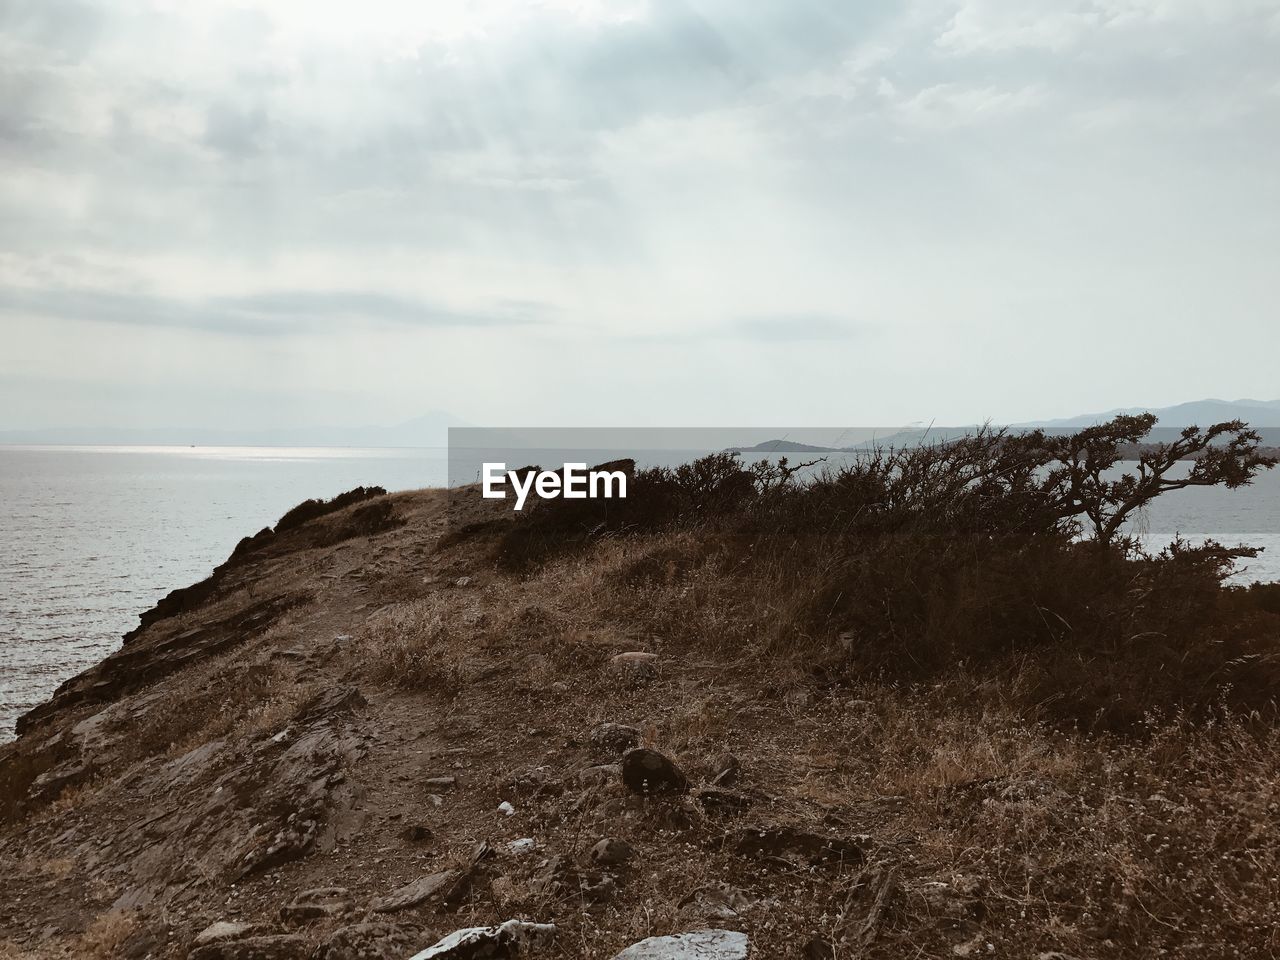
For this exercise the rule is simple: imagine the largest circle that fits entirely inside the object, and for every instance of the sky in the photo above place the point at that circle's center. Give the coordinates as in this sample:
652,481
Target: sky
634,212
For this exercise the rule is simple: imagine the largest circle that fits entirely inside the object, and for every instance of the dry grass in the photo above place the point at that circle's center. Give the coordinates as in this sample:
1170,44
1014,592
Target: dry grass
997,828
106,935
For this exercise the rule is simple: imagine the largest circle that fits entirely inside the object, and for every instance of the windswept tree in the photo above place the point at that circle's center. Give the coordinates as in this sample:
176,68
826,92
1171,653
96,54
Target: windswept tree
1084,481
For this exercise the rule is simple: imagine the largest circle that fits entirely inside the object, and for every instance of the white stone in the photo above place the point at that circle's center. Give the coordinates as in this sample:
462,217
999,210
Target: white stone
698,945
222,930
518,934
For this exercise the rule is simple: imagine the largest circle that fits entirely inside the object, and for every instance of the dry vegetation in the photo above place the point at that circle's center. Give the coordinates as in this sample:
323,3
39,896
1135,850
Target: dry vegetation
1004,820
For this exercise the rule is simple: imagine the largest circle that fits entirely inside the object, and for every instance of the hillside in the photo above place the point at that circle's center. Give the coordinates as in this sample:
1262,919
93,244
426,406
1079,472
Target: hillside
387,721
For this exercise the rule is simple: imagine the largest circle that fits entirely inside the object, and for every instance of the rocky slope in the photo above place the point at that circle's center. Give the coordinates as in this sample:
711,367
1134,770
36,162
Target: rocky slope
360,740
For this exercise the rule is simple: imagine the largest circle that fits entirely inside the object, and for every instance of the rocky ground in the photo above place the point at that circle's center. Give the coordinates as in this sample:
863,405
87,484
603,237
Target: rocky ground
359,739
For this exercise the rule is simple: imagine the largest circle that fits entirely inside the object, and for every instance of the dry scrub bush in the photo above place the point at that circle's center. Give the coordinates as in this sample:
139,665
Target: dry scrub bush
430,643
907,565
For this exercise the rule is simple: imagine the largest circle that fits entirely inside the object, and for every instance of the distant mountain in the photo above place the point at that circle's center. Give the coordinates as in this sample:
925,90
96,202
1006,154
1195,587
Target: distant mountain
430,430
1202,413
1262,415
784,446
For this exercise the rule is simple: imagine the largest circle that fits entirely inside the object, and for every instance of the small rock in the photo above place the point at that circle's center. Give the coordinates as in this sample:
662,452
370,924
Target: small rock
648,771
718,901
463,582
437,885
610,852
698,945
598,890
614,739
726,771
222,930
435,784
522,846
511,939
506,809
317,904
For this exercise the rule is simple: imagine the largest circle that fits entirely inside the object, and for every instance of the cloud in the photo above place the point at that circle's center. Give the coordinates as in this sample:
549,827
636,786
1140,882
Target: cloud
271,313
388,180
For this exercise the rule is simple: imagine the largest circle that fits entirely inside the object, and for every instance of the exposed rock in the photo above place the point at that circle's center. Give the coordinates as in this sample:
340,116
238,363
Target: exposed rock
614,739
726,771
222,930
522,846
437,885
717,901
558,877
317,904
610,852
648,771
338,700
50,784
283,946
156,655
788,842
598,889
511,939
296,793
369,941
698,945
437,784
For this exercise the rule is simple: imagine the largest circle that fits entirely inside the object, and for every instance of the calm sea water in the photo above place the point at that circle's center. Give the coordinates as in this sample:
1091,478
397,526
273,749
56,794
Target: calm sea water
92,536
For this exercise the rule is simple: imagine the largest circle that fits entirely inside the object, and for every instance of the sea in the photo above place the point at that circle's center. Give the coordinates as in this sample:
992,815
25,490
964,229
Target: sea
90,537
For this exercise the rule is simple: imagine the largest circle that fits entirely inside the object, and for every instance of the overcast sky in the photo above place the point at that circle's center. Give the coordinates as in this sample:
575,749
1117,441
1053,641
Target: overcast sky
218,213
